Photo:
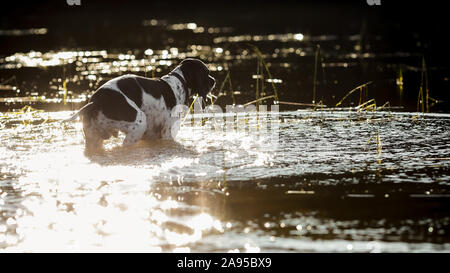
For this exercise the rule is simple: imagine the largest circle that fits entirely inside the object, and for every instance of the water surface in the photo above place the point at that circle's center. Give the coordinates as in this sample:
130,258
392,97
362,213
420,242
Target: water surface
311,181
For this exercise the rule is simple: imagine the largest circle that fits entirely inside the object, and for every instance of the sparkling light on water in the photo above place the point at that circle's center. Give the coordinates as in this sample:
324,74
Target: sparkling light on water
169,196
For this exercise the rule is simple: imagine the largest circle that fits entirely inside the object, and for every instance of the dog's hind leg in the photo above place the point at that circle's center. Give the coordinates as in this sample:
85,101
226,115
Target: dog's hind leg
93,139
135,130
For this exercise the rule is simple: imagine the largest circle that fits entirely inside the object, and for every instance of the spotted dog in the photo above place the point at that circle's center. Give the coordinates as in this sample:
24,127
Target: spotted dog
141,107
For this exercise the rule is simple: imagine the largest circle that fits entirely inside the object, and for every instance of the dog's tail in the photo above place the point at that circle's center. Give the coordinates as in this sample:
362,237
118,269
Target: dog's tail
85,109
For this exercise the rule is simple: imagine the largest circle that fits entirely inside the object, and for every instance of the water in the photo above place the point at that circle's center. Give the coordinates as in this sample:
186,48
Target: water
296,181
313,181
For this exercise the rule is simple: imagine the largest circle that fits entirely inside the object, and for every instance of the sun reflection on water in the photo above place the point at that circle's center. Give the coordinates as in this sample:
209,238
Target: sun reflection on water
167,196
71,202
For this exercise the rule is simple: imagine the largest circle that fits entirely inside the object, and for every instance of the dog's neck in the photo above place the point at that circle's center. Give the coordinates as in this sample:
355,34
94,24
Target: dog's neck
177,82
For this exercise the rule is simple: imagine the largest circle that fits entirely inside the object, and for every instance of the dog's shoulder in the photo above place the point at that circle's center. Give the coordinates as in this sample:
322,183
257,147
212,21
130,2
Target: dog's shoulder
128,85
156,88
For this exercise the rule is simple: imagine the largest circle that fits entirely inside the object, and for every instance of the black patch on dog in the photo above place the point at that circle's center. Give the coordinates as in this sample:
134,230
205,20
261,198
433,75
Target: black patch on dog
197,76
158,88
131,89
113,105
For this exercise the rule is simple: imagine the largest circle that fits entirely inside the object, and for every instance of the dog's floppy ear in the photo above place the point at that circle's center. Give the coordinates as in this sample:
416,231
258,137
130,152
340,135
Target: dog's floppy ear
202,83
196,75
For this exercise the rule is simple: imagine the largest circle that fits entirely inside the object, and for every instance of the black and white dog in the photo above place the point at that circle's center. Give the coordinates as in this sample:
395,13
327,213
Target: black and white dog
141,107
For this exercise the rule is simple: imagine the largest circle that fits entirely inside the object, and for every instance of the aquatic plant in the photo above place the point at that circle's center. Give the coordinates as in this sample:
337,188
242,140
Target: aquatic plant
384,106
316,59
260,72
399,81
191,107
228,79
259,99
420,99
368,105
423,104
65,92
359,87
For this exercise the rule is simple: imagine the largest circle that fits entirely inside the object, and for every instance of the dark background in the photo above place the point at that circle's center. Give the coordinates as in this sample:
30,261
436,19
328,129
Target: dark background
428,19
417,27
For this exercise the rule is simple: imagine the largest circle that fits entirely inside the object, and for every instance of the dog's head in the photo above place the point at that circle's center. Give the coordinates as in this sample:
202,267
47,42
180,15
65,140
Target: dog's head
197,76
